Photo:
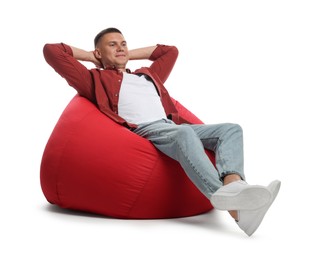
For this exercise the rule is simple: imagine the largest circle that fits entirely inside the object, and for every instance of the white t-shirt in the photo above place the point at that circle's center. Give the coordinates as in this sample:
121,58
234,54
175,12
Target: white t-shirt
139,101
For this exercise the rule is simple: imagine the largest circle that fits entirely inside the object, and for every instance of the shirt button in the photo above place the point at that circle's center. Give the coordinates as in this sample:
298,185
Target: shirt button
116,94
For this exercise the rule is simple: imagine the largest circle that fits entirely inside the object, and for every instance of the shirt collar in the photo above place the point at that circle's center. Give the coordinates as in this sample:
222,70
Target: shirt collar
113,67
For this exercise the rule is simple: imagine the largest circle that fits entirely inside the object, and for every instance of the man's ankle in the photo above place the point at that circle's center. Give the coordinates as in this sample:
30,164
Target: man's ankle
231,178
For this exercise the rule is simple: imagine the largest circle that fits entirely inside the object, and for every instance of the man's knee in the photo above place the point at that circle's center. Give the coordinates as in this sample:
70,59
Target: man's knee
184,132
237,128
233,128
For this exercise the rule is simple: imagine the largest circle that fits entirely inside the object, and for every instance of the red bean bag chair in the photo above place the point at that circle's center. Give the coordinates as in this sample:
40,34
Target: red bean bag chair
93,164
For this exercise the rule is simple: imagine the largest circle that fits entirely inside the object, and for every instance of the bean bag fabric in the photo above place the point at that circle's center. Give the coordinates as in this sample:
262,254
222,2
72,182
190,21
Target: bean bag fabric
92,164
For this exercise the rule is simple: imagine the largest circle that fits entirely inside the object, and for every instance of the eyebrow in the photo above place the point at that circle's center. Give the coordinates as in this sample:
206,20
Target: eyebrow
117,42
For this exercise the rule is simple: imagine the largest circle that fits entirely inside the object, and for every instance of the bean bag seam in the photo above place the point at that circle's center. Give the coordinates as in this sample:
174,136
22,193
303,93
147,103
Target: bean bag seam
62,157
145,184
58,173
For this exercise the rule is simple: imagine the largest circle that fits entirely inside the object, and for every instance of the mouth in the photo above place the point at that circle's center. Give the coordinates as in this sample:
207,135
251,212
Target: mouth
120,55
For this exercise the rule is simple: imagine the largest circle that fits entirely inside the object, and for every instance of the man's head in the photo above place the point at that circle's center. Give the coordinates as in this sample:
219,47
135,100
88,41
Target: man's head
111,48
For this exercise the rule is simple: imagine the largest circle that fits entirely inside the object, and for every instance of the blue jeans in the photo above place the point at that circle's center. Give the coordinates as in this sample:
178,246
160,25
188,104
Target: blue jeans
185,143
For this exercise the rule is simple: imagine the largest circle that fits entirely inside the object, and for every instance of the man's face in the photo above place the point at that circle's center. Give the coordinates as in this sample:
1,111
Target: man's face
112,50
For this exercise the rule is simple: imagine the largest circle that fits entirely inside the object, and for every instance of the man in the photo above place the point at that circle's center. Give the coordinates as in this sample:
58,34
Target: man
140,102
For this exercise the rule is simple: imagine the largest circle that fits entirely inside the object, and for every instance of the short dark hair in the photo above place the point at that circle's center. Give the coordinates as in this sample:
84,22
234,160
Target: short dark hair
105,31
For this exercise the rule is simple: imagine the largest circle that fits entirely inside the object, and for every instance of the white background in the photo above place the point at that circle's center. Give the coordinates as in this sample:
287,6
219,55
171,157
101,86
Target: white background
248,62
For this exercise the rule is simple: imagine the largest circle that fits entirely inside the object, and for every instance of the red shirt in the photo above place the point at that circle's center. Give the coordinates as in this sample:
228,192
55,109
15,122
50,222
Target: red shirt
102,86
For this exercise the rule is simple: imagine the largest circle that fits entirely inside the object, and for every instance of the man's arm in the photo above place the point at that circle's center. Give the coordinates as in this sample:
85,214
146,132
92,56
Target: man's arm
163,57
61,58
82,55
141,53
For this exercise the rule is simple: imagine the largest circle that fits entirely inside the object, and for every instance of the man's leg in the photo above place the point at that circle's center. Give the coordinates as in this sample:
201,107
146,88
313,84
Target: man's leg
186,143
182,144
226,141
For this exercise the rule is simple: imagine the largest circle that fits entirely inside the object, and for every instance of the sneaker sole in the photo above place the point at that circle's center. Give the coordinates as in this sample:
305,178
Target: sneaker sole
249,229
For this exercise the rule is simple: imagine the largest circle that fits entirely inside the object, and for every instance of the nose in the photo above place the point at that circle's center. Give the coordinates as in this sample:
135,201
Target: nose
120,48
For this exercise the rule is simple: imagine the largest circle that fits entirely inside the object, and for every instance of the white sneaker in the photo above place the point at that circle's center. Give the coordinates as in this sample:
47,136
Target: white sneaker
250,220
239,195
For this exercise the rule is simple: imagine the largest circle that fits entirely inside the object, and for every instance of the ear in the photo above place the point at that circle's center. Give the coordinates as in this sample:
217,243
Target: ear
97,53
